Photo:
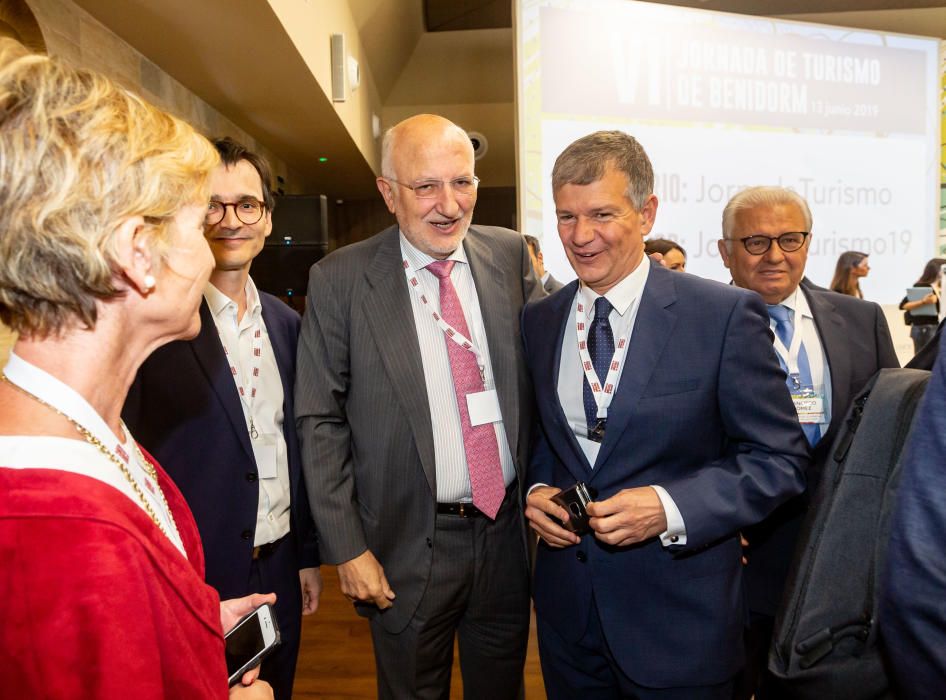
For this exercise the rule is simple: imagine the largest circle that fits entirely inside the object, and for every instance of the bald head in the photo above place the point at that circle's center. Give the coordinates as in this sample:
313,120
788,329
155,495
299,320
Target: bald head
404,138
427,182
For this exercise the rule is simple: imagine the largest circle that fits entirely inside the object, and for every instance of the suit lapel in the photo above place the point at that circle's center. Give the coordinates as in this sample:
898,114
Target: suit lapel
493,293
282,349
832,331
561,436
652,329
213,361
391,319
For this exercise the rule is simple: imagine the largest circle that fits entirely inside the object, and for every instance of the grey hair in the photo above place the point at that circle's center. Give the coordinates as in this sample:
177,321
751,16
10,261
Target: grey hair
586,160
762,196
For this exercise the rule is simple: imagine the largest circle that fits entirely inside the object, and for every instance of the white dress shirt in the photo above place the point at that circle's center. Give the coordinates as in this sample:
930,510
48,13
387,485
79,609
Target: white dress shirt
625,300
453,475
264,411
820,372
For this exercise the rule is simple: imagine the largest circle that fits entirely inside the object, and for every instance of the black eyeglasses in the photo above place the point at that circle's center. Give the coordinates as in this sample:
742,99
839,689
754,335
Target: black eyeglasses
247,210
428,189
788,242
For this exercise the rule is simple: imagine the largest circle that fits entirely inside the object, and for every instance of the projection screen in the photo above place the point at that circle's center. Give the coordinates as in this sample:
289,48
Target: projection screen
847,118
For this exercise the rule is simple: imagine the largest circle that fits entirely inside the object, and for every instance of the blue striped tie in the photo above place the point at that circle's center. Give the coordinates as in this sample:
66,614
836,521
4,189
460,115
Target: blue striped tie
784,329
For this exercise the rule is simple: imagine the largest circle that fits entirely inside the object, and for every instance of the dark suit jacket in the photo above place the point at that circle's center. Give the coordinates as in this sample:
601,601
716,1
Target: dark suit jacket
856,344
912,613
702,410
184,408
552,285
361,401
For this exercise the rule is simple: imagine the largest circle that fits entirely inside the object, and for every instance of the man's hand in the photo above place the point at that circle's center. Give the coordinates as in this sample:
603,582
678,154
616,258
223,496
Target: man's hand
311,581
628,517
539,507
362,579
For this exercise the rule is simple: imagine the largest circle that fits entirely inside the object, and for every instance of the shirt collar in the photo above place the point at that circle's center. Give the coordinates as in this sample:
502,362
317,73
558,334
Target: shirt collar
218,302
545,277
797,301
623,294
419,260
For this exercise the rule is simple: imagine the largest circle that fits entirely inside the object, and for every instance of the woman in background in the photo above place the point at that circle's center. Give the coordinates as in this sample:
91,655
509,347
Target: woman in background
102,260
923,327
674,256
848,272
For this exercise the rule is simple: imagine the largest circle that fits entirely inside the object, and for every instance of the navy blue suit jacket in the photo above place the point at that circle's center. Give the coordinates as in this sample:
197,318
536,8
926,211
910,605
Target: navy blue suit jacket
913,613
184,409
702,410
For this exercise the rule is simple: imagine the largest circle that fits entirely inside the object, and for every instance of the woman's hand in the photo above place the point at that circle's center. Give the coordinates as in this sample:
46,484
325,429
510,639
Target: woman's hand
260,690
235,609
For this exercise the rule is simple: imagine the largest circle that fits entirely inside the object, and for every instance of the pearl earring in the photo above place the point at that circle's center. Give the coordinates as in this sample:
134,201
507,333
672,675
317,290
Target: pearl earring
149,282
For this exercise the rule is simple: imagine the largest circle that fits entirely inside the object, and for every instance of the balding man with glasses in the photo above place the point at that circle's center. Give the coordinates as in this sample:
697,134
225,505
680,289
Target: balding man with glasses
829,346
414,413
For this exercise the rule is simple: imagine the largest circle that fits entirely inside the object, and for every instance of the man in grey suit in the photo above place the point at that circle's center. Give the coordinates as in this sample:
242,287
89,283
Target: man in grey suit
839,343
549,283
414,410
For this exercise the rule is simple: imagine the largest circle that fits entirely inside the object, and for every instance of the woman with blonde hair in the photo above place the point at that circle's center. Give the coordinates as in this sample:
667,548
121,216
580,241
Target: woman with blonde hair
102,259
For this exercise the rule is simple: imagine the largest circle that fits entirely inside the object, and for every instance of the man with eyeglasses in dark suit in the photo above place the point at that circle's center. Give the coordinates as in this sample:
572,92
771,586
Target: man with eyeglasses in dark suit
829,345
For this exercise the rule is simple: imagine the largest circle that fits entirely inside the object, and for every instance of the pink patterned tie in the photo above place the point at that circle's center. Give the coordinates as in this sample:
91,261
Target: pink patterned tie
479,442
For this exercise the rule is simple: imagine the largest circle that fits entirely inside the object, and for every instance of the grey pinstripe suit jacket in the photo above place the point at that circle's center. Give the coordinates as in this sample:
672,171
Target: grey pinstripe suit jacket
361,402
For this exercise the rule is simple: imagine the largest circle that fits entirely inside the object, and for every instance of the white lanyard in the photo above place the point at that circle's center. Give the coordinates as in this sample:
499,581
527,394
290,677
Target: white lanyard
790,355
602,394
452,333
248,393
71,404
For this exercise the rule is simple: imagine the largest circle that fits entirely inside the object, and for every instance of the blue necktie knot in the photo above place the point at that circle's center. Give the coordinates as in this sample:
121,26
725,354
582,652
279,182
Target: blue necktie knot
602,309
783,317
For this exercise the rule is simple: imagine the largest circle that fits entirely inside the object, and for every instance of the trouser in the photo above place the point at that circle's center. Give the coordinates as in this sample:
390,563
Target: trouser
921,334
478,593
587,669
279,573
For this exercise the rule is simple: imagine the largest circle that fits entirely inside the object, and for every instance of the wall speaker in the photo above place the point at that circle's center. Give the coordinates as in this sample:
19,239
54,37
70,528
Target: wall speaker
339,68
480,144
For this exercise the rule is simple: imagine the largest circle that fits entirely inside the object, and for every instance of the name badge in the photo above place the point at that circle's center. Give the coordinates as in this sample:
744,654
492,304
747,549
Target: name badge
809,405
483,407
264,451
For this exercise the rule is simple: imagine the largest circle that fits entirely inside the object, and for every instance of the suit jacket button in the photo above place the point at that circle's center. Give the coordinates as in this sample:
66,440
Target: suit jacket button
430,544
251,476
246,534
674,539
581,556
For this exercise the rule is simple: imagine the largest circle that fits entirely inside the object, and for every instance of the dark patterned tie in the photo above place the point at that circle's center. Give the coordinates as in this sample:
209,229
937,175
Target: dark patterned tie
601,349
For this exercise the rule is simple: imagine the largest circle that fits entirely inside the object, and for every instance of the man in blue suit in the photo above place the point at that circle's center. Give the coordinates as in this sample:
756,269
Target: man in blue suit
912,615
217,412
699,441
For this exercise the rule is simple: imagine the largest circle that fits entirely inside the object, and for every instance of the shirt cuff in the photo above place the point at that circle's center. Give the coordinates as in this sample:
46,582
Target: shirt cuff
676,532
533,488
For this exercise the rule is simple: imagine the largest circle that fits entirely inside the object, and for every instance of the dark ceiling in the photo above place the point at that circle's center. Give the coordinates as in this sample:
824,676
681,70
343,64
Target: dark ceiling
451,15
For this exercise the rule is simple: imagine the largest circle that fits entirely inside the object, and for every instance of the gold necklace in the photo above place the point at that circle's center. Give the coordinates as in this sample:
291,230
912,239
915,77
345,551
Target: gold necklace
145,464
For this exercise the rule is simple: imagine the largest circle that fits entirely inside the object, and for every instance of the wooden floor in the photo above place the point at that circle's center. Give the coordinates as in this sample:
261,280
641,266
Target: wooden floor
335,659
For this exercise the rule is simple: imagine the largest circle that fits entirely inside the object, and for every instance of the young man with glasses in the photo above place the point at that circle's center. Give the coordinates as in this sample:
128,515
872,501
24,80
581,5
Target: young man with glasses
217,411
829,346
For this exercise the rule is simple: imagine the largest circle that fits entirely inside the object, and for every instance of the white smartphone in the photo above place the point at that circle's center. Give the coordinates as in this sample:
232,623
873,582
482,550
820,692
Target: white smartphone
250,641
